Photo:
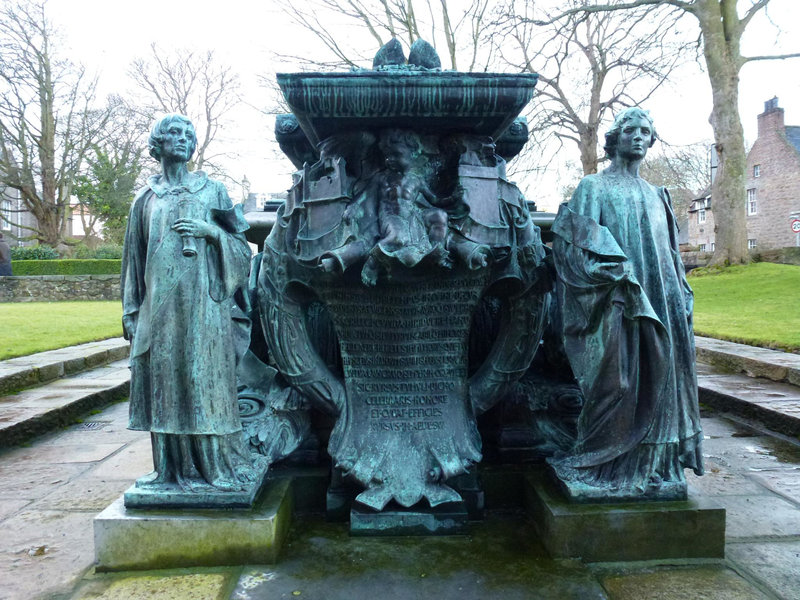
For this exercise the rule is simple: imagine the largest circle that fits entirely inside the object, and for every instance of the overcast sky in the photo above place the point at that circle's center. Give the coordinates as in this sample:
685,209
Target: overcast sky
107,35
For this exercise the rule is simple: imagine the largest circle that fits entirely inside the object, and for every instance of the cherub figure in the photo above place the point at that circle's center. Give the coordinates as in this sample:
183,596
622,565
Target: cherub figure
412,226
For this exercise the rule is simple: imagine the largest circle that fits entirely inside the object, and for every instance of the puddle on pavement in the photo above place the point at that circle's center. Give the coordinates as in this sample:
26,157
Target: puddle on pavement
756,445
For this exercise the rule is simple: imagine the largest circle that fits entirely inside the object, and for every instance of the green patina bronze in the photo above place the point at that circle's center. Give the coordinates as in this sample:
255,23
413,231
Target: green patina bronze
627,319
399,230
185,257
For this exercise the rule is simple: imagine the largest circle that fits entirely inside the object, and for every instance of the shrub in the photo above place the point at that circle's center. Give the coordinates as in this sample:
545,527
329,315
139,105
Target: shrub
82,251
107,251
104,251
33,253
68,266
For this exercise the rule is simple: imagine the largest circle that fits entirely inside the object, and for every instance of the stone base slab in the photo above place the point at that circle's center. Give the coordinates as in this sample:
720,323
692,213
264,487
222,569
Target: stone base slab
135,539
693,528
446,519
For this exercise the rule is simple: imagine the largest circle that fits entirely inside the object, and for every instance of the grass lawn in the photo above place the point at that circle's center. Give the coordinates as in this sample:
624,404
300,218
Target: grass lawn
28,327
757,304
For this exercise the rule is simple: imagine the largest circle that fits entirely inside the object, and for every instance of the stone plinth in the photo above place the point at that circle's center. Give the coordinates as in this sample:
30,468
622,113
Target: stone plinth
445,519
693,528
130,539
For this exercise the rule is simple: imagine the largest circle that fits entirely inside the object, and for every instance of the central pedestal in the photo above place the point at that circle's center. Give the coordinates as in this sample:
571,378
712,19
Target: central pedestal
445,519
409,425
693,528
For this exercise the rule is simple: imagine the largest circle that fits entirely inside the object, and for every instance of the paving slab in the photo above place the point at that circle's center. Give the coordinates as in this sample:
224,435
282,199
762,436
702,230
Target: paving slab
766,515
754,361
184,586
784,483
32,481
719,481
776,565
77,453
499,558
708,583
752,454
34,369
130,463
43,553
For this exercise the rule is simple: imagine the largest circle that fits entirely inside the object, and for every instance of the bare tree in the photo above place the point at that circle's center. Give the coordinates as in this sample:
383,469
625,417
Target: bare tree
589,65
721,30
47,122
684,170
194,84
453,32
114,168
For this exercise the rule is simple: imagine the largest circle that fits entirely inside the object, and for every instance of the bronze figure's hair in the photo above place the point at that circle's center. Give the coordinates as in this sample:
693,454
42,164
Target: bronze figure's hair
160,129
612,135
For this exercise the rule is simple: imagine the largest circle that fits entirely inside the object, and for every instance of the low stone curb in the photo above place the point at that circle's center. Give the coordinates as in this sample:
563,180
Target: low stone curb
61,416
755,362
777,407
36,369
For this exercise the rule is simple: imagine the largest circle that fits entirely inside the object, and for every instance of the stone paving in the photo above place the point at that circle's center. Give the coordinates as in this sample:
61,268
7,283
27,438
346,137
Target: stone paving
51,491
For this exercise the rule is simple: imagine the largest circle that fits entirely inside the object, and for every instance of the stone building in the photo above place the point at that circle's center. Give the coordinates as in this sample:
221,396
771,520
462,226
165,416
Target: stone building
15,219
18,223
772,199
701,223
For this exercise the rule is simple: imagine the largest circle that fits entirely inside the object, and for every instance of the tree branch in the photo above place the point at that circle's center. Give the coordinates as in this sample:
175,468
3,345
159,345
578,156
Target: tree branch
746,59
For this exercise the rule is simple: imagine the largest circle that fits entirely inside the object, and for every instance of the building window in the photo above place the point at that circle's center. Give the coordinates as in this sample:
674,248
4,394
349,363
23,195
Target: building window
701,216
702,247
751,201
757,171
5,215
713,246
751,244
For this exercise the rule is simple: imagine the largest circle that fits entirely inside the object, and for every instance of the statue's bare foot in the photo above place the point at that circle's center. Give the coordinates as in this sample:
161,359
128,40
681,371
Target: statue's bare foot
369,274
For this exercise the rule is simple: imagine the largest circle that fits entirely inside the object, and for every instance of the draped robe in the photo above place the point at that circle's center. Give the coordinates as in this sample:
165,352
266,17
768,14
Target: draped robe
183,365
628,334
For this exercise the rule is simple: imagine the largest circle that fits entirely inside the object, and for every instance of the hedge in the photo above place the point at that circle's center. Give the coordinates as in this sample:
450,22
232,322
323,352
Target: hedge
33,253
69,266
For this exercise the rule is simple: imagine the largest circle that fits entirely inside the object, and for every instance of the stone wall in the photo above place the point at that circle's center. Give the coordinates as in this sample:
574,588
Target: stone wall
50,288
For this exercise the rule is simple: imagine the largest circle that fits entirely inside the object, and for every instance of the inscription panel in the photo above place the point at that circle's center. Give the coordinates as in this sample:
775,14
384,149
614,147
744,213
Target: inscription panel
408,423
406,353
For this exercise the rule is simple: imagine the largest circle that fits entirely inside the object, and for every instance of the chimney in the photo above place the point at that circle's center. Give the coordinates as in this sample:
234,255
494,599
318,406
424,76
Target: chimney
771,119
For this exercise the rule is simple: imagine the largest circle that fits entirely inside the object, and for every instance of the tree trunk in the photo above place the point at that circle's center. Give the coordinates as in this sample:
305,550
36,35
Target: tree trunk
723,62
588,148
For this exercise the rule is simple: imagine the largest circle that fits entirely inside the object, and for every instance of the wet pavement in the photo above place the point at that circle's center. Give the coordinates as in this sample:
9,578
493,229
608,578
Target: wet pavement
51,491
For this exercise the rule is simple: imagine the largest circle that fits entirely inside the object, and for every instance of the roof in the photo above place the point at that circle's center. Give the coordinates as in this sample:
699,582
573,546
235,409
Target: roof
793,135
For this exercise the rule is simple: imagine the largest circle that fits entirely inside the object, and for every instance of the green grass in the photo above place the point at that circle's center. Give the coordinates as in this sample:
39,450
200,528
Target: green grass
757,304
28,327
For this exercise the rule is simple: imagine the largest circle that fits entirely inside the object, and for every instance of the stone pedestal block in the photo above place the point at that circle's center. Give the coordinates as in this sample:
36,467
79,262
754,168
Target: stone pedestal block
693,528
447,519
133,539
